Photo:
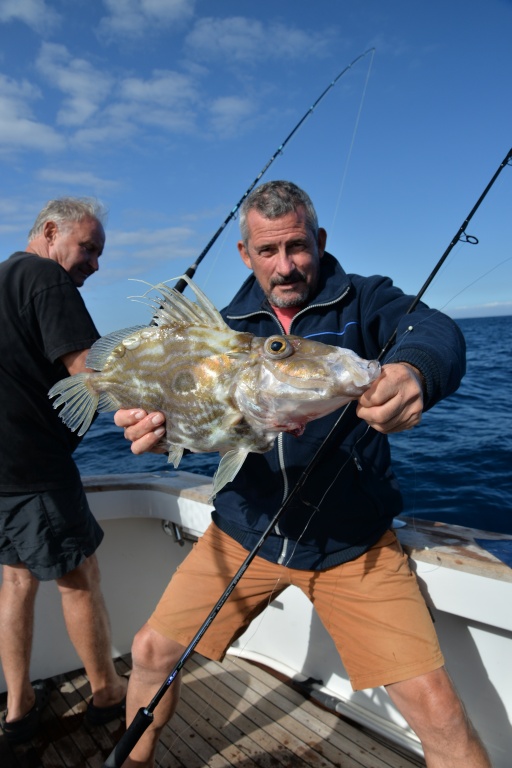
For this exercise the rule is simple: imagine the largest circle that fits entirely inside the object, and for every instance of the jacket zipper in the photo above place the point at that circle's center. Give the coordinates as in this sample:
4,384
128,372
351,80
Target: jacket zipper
280,448
323,304
284,549
271,314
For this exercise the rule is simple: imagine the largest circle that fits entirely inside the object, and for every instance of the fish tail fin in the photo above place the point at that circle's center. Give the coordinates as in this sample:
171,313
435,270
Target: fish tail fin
227,470
80,402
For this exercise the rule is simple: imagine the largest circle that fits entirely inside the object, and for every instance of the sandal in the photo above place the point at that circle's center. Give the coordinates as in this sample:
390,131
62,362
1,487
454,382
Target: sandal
19,731
103,715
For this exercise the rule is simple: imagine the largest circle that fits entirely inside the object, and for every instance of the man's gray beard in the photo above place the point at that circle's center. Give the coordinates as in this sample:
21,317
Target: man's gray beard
298,300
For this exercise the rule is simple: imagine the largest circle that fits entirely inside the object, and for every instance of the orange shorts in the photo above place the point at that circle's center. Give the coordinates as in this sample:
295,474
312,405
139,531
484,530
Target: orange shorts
372,606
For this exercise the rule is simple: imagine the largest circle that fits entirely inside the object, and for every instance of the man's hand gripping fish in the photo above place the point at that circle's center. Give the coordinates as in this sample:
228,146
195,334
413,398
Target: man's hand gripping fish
220,390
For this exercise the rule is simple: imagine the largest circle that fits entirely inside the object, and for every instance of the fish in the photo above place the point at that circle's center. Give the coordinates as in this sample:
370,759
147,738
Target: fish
220,389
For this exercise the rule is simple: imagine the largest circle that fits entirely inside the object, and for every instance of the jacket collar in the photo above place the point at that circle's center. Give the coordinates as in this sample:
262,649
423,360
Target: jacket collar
332,287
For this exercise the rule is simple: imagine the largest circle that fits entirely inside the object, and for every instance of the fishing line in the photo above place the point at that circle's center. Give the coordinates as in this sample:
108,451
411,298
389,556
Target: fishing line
144,716
440,309
356,126
475,281
181,284
459,236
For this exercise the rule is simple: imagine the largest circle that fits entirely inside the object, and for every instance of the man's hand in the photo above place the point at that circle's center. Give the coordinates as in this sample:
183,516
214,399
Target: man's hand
394,402
144,430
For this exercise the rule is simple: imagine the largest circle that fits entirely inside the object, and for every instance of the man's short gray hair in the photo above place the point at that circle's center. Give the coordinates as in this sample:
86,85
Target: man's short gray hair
64,210
274,199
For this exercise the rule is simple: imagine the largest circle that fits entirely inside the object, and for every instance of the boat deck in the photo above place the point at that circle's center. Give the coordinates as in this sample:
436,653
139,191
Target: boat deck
230,714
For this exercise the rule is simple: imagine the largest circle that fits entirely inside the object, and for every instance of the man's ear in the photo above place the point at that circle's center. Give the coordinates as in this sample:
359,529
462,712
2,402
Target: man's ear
243,254
321,240
50,230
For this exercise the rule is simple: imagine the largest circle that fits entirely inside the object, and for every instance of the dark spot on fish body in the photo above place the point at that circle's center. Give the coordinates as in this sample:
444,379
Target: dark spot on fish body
183,382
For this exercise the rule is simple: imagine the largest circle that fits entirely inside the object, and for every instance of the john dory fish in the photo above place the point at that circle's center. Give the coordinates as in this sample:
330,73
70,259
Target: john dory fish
220,390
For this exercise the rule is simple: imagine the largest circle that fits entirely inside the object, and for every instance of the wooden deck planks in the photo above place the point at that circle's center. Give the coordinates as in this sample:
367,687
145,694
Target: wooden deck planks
231,715
265,699
275,731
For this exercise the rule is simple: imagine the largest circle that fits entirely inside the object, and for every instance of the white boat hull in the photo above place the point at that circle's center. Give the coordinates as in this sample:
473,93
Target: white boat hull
469,591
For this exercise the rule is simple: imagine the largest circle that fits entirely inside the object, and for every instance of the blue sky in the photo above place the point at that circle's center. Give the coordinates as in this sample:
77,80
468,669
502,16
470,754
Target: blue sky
167,110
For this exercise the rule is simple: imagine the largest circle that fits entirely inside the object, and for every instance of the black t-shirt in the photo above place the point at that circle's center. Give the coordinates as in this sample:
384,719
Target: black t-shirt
42,317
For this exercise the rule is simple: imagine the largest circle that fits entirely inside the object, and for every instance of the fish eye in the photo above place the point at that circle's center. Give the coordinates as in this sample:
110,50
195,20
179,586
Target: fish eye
277,347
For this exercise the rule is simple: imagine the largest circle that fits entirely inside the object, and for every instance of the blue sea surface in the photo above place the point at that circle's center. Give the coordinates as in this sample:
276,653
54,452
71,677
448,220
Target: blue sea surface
455,467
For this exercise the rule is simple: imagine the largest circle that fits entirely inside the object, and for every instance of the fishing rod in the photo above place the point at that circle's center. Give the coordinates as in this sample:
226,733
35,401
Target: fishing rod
144,716
190,272
458,236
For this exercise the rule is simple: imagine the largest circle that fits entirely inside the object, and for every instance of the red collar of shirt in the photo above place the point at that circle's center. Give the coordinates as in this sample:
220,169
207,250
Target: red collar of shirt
285,316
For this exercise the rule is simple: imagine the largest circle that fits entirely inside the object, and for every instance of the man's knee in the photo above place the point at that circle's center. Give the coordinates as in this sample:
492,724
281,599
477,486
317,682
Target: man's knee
86,576
430,701
19,578
153,651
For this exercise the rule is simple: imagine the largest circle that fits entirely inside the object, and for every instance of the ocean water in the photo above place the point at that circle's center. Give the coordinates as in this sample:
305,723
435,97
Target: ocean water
456,466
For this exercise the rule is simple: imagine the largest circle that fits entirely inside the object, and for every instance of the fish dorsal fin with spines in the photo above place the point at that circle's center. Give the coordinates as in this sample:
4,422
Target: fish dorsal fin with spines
177,309
102,349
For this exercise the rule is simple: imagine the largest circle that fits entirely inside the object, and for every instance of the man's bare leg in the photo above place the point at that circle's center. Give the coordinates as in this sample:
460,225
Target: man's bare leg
153,658
88,627
433,709
17,599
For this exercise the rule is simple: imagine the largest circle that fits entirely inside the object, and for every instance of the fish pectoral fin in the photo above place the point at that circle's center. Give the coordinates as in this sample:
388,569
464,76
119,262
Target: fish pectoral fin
231,420
175,455
227,470
79,401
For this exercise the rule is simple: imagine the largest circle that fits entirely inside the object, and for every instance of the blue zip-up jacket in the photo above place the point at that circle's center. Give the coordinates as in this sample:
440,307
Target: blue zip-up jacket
351,497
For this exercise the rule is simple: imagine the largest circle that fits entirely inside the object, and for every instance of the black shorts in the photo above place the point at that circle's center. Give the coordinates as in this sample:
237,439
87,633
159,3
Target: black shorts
51,532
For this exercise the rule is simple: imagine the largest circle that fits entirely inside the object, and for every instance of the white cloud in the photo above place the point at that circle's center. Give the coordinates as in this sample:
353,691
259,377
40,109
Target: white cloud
107,131
84,86
16,217
242,39
167,99
104,109
85,180
491,309
134,18
228,113
148,239
95,108
165,88
37,14
154,245
140,251
18,128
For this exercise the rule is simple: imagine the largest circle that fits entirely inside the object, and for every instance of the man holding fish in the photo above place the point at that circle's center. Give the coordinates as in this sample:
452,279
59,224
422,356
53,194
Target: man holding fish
47,531
336,541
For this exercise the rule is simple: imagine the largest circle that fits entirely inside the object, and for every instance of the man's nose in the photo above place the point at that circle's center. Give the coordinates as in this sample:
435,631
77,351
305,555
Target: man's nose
94,263
285,263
